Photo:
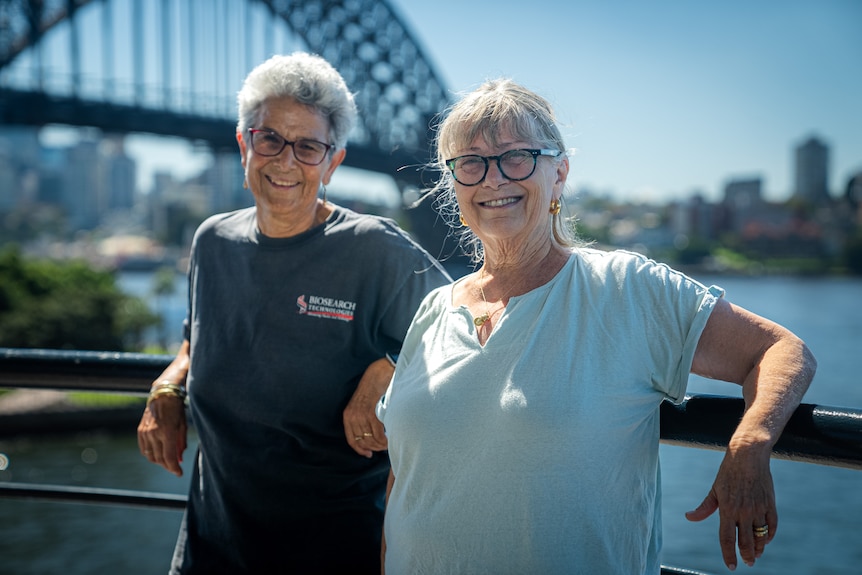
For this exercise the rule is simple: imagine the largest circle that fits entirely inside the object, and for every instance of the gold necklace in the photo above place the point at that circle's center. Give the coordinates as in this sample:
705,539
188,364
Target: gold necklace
481,320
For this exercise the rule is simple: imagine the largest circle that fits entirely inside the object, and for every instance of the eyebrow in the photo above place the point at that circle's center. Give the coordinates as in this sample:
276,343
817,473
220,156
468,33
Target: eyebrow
274,131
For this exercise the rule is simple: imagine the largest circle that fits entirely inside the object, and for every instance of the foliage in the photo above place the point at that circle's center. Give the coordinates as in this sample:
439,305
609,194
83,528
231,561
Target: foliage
104,400
29,222
66,305
694,252
730,260
589,234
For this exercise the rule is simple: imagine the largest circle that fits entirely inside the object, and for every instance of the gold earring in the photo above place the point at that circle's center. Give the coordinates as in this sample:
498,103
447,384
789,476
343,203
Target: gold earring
245,184
462,220
556,205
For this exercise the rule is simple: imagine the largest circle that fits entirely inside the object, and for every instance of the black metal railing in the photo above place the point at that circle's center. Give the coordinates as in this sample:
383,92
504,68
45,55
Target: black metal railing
816,434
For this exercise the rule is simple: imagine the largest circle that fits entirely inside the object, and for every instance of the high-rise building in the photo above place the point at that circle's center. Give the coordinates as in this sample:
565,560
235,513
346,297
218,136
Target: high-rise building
743,200
19,158
82,189
119,176
812,171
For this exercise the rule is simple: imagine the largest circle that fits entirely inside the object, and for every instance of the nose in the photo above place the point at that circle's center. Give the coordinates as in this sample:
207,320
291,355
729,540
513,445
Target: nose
494,177
286,156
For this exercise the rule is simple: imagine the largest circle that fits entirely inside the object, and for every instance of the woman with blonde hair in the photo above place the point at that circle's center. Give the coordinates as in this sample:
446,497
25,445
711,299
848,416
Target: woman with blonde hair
523,416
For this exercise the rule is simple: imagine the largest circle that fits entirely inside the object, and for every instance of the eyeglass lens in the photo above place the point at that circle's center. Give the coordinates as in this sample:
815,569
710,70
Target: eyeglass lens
515,165
268,143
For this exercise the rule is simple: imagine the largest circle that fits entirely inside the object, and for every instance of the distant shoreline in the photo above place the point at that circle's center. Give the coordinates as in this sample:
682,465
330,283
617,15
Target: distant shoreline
29,412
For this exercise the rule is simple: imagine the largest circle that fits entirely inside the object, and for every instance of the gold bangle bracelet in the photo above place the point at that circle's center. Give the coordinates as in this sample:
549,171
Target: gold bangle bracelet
166,388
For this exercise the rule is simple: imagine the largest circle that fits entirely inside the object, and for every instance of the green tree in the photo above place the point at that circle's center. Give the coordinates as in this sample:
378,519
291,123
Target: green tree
67,305
164,285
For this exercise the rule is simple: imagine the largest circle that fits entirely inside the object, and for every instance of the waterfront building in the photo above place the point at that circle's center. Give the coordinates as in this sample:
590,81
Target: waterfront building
811,165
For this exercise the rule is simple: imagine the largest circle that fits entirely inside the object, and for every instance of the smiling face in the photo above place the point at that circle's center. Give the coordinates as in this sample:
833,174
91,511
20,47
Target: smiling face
285,190
511,215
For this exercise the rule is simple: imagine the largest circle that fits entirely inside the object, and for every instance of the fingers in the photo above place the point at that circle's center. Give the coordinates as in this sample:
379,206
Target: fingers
162,434
761,536
365,434
379,433
706,508
167,453
363,431
727,541
367,442
762,533
747,532
750,535
753,538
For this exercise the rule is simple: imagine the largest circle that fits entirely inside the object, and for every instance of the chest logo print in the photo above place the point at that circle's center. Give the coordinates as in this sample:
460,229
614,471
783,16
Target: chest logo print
326,307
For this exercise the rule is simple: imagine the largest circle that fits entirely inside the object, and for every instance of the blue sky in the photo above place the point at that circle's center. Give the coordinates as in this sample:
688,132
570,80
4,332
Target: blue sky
664,97
659,98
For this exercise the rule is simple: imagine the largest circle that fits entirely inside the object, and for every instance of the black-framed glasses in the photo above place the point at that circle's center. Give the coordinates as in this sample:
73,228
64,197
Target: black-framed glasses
269,143
515,165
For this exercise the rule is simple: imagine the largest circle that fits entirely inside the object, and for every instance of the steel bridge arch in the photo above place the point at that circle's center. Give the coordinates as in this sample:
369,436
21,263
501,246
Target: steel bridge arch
397,88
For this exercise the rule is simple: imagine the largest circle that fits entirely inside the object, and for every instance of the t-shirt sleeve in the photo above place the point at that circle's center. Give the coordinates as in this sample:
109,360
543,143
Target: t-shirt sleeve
676,309
430,308
412,274
706,304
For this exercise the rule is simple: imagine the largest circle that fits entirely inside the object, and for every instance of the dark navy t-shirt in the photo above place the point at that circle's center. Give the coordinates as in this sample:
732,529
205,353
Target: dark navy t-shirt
281,331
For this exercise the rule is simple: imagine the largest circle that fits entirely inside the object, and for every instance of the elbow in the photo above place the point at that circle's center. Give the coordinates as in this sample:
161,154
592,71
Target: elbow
809,362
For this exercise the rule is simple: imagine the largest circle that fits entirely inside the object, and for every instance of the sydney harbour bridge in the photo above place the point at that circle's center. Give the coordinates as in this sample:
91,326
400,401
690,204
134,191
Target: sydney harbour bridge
173,67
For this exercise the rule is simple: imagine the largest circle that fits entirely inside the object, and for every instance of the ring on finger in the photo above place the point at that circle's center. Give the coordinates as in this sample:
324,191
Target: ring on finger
358,438
761,531
366,434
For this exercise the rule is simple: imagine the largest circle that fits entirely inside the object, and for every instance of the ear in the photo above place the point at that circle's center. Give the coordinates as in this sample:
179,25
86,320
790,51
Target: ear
337,158
562,174
242,148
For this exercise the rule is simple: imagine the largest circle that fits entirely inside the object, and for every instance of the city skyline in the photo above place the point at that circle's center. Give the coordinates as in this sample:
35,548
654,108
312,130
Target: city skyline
665,98
660,101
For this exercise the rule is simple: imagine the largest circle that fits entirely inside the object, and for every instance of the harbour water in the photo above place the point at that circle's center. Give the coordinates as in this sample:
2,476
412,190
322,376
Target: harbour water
820,508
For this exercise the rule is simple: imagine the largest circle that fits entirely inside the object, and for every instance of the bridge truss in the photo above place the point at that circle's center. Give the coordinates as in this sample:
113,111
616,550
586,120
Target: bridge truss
172,68
178,63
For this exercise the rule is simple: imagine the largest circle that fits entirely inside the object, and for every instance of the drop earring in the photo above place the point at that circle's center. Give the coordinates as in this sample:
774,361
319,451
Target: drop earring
556,206
324,192
244,184
462,220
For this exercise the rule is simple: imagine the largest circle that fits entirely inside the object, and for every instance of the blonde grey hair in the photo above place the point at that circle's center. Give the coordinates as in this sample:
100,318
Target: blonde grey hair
308,79
495,106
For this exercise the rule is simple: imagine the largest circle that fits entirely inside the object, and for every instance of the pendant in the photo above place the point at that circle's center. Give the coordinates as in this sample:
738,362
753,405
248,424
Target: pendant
480,320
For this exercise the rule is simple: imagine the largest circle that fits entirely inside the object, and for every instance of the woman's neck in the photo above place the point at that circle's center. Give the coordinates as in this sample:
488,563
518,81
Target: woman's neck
279,227
508,275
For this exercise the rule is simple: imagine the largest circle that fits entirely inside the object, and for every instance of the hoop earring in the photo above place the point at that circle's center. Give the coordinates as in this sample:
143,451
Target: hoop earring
556,206
462,220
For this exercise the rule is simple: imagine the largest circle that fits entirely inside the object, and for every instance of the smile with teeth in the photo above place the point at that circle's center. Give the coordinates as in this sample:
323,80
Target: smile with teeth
280,183
500,202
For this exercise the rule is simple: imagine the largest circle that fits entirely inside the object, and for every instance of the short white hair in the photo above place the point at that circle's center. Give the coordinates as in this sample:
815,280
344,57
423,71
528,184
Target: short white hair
308,79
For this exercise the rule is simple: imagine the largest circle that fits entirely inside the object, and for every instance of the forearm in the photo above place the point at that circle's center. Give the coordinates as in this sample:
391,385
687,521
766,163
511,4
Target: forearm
375,380
773,366
178,369
773,390
363,431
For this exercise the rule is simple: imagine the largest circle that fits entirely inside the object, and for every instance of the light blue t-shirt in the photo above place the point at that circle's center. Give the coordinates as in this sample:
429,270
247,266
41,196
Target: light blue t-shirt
538,453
